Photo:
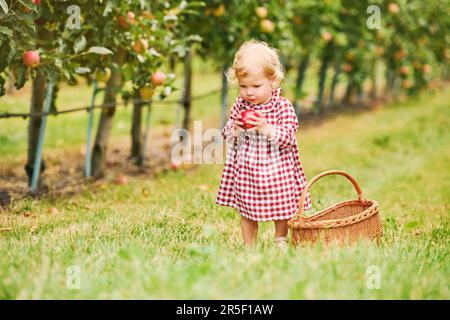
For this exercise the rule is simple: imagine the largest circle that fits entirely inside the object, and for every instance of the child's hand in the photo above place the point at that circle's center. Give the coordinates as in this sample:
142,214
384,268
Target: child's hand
238,126
260,125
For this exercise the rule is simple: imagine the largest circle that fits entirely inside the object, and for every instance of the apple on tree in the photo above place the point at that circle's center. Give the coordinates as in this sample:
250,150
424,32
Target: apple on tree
31,58
347,67
327,36
219,11
103,76
147,92
125,22
158,78
140,46
267,26
261,12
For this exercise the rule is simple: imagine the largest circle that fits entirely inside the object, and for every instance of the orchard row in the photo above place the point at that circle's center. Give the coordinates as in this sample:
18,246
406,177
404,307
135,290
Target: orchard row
139,42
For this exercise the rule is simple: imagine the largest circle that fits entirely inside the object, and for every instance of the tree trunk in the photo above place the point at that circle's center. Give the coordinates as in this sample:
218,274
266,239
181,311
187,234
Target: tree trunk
187,91
11,81
334,82
327,54
224,98
374,73
37,104
136,131
349,91
304,63
106,117
172,63
390,80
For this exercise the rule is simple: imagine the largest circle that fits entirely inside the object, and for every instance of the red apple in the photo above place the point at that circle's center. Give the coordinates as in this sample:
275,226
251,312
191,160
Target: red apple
174,166
37,2
130,16
347,67
121,179
404,70
245,115
426,68
393,8
158,78
123,22
31,58
140,46
327,36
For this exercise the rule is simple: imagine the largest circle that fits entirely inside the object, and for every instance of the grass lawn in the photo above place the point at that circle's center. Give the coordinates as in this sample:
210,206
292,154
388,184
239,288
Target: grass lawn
166,239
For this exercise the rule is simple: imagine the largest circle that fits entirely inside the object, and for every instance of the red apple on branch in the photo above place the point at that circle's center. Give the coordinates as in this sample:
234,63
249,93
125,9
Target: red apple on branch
31,58
140,46
158,78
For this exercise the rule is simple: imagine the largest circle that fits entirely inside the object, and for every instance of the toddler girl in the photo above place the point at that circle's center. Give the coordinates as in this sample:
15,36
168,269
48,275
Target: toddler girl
263,177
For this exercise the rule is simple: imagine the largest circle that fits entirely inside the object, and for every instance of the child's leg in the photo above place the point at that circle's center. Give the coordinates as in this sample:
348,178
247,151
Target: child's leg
249,230
281,232
281,228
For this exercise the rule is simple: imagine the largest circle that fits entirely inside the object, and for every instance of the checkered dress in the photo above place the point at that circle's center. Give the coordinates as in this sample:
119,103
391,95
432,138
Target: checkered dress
263,178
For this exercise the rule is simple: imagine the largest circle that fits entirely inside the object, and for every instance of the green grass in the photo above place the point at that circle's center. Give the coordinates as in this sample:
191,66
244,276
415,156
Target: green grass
165,238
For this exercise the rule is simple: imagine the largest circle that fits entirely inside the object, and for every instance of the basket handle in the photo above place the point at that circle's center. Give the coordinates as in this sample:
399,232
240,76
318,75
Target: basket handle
323,174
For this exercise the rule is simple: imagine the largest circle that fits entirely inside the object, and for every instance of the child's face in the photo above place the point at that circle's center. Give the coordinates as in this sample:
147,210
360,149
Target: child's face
256,88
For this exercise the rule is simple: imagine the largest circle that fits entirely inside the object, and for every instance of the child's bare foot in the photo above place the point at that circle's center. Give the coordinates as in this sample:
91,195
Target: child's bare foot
282,243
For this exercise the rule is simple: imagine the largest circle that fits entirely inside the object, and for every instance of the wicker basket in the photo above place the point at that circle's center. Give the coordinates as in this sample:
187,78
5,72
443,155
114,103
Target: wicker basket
345,223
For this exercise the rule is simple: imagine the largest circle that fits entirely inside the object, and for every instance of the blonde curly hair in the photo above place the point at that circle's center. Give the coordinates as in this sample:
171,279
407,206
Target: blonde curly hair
252,57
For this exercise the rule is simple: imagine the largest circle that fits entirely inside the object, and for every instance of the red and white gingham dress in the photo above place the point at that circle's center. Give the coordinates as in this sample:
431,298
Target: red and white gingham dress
263,178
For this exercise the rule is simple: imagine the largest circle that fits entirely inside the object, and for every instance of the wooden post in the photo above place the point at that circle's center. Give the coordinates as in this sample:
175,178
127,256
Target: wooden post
87,161
37,160
146,134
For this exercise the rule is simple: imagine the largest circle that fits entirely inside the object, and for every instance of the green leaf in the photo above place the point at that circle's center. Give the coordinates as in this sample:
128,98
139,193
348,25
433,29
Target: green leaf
27,3
127,71
99,50
58,63
80,44
4,6
22,75
27,20
6,30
